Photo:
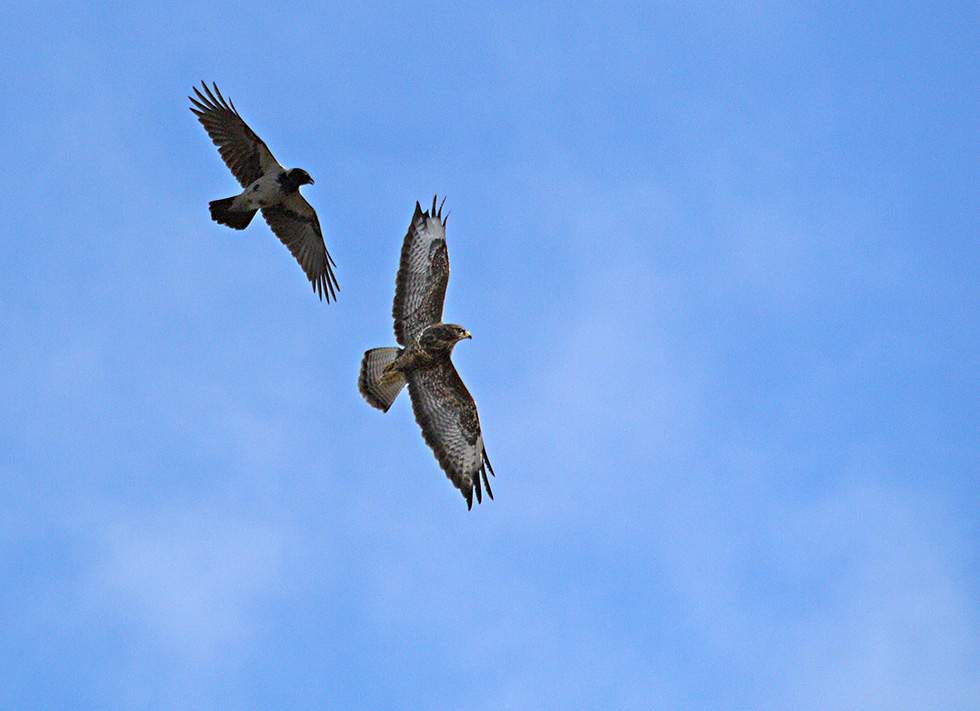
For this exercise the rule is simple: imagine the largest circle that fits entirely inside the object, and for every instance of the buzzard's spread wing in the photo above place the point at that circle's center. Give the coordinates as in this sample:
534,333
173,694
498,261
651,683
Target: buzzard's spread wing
423,276
451,426
242,150
295,223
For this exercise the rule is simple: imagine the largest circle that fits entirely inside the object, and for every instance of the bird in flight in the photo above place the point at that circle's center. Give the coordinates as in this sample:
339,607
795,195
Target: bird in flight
268,187
443,406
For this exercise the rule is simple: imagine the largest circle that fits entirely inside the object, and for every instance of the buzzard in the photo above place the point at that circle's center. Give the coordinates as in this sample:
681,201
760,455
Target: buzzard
268,187
443,406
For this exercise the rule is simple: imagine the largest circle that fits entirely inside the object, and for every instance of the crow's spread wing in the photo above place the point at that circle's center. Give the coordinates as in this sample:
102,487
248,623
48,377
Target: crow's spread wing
295,223
242,150
450,425
423,275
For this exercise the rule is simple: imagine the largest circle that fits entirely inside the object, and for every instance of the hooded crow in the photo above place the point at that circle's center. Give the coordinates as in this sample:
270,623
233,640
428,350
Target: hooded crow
268,187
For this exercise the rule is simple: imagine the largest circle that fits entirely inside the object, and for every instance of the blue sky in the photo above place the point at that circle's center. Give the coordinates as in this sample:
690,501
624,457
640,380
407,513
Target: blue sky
720,262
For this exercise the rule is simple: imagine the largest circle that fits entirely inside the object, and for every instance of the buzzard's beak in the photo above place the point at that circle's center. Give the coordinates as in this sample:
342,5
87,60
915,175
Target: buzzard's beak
312,181
468,335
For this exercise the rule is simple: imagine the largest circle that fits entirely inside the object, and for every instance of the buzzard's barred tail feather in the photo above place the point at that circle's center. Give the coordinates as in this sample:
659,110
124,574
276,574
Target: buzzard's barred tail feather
379,385
222,213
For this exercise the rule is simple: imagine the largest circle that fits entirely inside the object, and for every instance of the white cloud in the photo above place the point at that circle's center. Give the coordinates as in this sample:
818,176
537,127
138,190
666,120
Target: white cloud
191,579
898,629
857,600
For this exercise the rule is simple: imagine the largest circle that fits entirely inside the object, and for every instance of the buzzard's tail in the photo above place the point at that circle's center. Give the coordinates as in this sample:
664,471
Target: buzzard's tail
380,388
222,213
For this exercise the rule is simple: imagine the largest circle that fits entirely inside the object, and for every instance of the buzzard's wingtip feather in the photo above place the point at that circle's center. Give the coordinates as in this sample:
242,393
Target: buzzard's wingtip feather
486,483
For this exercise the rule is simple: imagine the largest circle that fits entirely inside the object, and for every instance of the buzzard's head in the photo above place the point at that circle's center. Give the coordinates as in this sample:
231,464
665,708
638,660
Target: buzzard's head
442,337
460,333
292,179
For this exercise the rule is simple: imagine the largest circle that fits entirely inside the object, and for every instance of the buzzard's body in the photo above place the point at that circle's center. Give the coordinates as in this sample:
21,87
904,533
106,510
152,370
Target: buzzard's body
268,187
443,406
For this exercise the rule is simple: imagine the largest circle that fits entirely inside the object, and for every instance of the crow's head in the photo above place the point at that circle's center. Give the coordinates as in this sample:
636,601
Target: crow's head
292,179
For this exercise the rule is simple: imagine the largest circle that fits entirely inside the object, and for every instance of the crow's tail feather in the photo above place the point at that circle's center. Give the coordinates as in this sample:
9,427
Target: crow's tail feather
222,213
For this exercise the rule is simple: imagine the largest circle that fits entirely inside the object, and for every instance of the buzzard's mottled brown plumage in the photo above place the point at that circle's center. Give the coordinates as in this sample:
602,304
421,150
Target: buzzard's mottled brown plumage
443,406
423,276
291,217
